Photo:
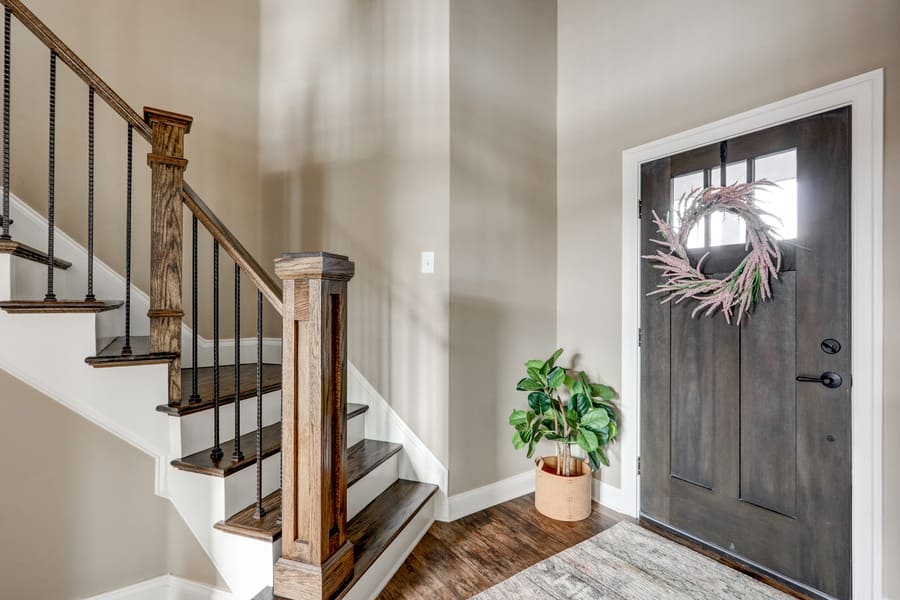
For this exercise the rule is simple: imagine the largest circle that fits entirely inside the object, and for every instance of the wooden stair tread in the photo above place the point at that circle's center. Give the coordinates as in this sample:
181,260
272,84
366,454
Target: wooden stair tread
110,353
201,462
376,526
271,381
365,456
361,458
60,306
28,253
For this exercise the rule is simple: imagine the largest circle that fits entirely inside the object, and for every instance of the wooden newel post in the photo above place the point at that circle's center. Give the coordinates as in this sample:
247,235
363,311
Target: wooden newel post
317,557
167,164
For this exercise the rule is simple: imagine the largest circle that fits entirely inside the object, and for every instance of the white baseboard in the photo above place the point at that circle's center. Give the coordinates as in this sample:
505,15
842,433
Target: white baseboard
610,496
166,587
466,503
472,501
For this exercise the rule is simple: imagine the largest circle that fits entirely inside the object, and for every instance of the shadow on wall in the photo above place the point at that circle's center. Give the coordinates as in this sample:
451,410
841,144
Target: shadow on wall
354,160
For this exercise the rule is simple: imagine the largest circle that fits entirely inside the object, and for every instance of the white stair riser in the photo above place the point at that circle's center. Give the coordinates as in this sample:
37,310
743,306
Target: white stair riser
197,428
240,487
361,493
356,429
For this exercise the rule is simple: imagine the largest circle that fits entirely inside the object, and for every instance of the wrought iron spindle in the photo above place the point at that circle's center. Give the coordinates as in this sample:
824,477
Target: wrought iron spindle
51,177
89,296
216,453
260,511
126,348
195,397
6,69
237,454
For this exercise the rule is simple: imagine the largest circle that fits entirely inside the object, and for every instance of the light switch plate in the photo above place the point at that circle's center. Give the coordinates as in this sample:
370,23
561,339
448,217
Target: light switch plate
428,262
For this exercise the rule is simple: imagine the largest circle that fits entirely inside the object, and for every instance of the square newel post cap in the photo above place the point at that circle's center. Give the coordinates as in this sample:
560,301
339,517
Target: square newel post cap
164,116
314,265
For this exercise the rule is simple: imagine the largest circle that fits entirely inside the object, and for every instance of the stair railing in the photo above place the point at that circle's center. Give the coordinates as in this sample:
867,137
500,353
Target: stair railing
317,558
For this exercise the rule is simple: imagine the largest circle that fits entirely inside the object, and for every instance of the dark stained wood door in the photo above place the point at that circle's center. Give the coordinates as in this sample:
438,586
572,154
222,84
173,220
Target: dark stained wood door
736,454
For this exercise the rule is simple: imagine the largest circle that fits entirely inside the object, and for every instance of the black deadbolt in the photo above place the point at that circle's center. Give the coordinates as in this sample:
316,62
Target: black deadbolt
831,346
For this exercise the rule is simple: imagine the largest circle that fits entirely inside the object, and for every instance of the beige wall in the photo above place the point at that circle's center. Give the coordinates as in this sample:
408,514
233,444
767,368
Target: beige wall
198,57
78,516
502,223
634,72
354,158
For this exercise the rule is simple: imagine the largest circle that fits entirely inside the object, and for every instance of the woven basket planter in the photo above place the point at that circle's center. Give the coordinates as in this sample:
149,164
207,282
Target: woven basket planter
563,498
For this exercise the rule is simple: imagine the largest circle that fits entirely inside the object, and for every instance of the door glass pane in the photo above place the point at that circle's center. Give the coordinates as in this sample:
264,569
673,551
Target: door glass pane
681,186
781,202
728,228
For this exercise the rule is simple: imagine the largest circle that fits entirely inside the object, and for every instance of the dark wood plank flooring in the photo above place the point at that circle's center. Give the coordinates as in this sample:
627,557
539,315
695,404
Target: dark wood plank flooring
460,559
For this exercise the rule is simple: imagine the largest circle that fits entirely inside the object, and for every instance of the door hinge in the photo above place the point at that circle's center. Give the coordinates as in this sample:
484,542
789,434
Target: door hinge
640,336
640,208
639,465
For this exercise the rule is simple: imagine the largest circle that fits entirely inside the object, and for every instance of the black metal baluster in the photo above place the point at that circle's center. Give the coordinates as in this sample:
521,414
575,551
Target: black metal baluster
89,296
195,397
126,348
6,69
216,454
237,454
260,511
51,176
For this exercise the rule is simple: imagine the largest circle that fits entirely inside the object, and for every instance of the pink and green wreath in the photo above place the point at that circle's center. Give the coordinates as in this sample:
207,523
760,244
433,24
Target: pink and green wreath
748,283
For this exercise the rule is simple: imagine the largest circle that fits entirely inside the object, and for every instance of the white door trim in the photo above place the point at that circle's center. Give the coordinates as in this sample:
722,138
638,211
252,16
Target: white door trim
865,94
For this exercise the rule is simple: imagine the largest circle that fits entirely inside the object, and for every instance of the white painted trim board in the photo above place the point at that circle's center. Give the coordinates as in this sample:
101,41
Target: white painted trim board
865,94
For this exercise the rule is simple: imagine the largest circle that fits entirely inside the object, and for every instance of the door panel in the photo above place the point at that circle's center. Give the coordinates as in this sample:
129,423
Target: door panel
768,404
735,452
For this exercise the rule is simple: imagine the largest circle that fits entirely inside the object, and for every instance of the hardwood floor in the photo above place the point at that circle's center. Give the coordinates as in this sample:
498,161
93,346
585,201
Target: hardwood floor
459,559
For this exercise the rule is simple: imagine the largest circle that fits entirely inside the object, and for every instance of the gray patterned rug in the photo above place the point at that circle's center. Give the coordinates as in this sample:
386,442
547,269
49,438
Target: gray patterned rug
628,562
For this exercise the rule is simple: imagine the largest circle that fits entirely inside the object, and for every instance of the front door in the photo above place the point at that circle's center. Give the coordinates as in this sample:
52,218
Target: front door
736,453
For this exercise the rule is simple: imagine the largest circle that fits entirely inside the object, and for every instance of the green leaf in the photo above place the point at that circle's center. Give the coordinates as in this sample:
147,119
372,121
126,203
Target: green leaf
553,436
539,402
556,377
569,381
529,385
518,417
518,444
594,460
603,457
598,390
552,360
596,418
534,364
533,443
588,441
581,403
572,418
613,430
536,375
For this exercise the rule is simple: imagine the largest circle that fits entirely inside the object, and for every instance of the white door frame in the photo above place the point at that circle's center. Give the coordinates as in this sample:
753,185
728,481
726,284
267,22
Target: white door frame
865,94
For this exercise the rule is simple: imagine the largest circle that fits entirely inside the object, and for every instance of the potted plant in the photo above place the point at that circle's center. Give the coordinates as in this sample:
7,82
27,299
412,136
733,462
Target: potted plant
566,408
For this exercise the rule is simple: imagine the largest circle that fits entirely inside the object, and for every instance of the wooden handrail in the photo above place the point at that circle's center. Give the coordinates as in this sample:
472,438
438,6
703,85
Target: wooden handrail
267,284
270,289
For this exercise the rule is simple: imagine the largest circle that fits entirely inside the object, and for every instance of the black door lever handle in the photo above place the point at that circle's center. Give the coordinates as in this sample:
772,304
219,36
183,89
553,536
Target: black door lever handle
829,379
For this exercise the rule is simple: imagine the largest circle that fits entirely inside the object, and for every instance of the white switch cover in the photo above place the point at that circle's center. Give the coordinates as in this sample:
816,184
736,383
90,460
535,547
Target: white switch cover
428,262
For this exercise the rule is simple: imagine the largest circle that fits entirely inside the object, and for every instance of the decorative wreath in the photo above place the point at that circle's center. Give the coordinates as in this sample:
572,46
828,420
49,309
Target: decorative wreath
748,282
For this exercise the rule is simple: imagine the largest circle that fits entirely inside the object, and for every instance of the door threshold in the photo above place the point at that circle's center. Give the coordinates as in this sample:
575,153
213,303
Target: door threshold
749,568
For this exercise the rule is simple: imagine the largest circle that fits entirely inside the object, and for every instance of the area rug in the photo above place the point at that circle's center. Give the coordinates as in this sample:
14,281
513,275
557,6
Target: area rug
628,562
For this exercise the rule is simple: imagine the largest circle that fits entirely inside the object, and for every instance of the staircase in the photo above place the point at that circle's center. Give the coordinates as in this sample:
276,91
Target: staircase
253,437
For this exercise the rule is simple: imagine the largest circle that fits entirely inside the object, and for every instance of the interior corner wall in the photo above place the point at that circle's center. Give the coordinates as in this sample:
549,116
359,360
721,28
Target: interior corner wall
78,516
199,58
502,224
633,72
354,159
